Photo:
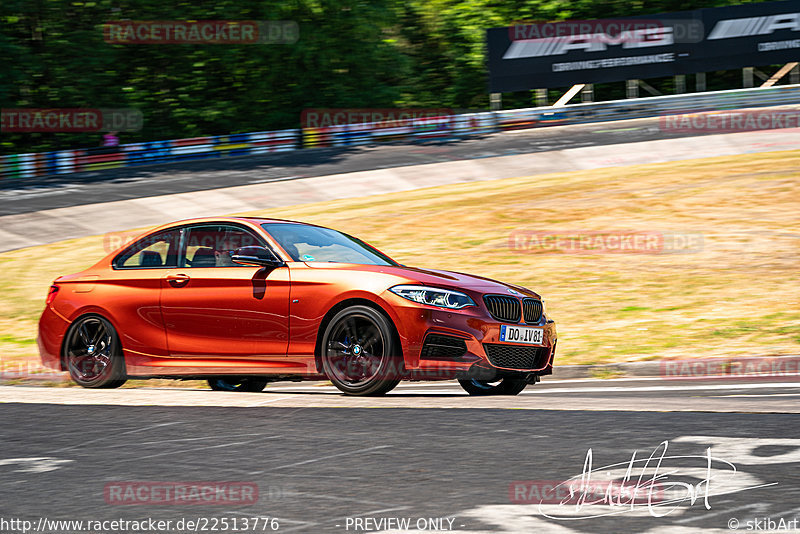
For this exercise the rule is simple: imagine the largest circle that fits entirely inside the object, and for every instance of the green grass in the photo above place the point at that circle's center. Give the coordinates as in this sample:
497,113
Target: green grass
738,296
6,338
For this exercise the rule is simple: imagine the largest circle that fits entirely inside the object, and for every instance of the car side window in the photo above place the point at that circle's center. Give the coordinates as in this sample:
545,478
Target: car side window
151,252
213,245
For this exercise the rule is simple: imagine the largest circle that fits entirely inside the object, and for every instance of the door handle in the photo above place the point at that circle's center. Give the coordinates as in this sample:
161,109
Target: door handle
180,278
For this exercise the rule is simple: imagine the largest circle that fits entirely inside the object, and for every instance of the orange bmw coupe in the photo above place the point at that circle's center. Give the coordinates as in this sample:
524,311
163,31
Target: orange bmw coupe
241,302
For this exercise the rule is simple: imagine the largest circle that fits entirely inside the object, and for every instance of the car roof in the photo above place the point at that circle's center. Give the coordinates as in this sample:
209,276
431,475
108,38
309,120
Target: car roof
253,220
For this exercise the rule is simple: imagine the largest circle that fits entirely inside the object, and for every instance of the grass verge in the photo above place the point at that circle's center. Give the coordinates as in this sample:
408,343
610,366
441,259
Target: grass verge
736,294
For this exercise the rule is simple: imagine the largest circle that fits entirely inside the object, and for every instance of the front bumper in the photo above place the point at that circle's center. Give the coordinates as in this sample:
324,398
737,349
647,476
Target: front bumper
480,334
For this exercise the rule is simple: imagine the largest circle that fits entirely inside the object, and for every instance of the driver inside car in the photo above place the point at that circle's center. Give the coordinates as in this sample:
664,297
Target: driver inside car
224,252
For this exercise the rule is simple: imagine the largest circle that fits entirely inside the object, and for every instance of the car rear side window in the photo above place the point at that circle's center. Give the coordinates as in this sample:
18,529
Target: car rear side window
154,251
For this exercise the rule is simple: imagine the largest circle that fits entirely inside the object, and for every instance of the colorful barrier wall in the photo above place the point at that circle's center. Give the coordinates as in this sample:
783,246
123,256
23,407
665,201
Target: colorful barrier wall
422,129
19,167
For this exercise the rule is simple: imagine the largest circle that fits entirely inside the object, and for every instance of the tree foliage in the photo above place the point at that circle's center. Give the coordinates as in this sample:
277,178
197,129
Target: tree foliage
351,53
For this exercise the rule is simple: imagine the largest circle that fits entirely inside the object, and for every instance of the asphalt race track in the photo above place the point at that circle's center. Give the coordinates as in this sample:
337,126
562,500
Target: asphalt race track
426,457
319,469
147,181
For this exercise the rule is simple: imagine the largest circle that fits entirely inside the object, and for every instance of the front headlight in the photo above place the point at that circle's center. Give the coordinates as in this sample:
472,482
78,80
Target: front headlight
434,296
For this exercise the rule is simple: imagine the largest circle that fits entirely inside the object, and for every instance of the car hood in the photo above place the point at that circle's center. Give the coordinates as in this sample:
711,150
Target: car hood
437,278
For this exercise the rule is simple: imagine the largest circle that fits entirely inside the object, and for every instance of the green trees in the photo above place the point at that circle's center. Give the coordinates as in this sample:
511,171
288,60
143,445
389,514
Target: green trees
350,53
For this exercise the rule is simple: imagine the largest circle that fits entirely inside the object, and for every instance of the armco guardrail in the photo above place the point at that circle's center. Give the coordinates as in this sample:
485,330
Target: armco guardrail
615,110
23,166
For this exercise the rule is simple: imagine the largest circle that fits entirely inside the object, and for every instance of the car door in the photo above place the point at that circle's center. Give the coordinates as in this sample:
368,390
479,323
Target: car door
213,307
132,290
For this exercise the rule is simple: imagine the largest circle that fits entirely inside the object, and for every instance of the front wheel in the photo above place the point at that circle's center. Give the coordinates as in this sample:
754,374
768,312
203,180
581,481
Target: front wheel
251,385
93,355
360,352
504,386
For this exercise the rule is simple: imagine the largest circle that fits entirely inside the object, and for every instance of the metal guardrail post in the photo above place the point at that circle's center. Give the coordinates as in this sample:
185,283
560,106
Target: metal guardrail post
680,84
541,97
495,101
747,77
632,88
700,82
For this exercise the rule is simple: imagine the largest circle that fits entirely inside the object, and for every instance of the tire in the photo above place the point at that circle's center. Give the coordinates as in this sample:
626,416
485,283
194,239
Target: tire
360,352
250,385
505,386
93,353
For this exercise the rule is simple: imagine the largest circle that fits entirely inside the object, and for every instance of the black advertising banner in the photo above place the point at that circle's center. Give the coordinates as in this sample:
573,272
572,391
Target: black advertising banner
540,55
750,35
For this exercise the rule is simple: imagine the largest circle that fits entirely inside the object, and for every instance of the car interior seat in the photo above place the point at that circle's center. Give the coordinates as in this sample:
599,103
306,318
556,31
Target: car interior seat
204,257
150,258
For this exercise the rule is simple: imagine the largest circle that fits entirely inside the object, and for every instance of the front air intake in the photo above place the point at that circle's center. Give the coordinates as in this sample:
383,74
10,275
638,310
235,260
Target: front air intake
516,356
441,347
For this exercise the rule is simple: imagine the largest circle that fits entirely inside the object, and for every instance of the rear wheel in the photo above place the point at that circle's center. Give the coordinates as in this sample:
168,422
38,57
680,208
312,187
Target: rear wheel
504,386
251,385
93,355
360,352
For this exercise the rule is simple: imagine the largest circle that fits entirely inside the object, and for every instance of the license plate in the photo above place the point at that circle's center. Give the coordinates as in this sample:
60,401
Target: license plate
521,334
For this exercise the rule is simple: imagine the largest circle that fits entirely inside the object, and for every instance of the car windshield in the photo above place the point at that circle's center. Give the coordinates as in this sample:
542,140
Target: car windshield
312,243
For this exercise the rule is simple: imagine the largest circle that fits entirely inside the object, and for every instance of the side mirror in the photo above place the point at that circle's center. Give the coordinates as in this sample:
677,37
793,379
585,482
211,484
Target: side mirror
255,255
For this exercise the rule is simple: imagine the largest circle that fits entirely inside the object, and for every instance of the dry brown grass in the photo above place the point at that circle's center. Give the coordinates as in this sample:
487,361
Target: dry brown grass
739,296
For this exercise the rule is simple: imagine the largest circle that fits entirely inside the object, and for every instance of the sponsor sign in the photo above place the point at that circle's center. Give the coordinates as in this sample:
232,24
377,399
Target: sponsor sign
560,54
